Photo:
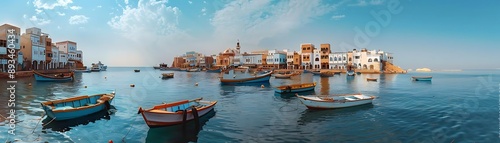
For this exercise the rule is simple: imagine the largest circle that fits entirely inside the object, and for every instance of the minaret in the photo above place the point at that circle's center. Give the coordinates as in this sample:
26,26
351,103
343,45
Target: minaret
238,46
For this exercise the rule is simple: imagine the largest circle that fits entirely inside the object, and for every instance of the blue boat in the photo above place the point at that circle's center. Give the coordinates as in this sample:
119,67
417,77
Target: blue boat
422,78
233,78
56,77
76,107
214,70
350,73
295,88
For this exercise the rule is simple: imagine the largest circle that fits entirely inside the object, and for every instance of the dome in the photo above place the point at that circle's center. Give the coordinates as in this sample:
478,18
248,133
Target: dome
229,51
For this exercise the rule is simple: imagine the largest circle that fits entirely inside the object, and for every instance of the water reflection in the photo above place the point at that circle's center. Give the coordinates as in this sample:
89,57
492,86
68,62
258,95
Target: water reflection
66,125
318,116
325,85
177,133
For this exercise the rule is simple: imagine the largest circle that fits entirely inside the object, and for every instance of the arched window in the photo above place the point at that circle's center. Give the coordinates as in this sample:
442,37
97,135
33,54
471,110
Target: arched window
317,59
350,59
331,59
376,60
369,60
344,58
334,58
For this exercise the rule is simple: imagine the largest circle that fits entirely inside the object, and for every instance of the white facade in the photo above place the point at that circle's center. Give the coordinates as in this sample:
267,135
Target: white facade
316,59
252,59
276,57
63,58
338,60
79,55
55,57
37,49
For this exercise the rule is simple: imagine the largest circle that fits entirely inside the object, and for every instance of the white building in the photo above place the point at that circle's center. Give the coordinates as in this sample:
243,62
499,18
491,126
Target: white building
70,48
251,60
276,58
63,59
338,60
316,59
55,57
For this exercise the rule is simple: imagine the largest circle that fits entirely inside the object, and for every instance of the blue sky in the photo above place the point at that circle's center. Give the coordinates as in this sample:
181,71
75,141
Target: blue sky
443,34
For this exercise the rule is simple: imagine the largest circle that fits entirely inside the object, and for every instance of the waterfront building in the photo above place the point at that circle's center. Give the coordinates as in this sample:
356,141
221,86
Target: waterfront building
276,59
63,59
33,49
306,50
226,58
178,62
316,62
338,60
4,54
293,60
325,56
47,41
252,60
54,64
74,56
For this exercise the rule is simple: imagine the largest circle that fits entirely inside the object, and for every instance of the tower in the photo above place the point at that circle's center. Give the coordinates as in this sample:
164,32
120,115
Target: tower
238,46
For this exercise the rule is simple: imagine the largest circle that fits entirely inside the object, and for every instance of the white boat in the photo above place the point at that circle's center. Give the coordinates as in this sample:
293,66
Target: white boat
98,67
335,101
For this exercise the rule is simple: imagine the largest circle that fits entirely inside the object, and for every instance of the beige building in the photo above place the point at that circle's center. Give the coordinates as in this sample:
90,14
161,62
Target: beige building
4,32
325,55
306,51
33,49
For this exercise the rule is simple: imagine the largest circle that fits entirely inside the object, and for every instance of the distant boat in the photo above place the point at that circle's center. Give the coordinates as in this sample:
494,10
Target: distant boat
371,79
358,73
422,78
316,72
173,113
350,73
232,78
295,88
169,69
326,74
55,77
96,67
137,70
79,106
214,70
335,101
167,75
161,66
194,70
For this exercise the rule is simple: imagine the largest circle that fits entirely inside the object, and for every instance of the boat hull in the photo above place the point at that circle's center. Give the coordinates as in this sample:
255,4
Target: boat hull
43,78
422,78
256,79
294,90
76,107
160,120
214,71
333,104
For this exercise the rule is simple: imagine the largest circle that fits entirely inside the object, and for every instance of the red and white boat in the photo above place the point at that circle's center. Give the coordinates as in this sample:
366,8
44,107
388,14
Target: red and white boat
173,113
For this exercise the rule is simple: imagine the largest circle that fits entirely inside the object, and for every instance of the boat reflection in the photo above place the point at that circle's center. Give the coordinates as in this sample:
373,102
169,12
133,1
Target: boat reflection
319,116
66,125
178,133
292,95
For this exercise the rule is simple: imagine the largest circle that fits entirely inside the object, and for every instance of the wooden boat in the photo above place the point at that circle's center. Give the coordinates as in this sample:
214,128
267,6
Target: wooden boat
422,78
167,75
84,70
326,74
137,70
79,106
371,79
193,70
173,113
216,70
278,75
56,77
335,101
295,88
316,72
263,77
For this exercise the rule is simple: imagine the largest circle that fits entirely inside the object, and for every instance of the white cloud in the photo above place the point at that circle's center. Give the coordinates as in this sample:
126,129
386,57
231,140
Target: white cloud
204,11
58,27
61,14
75,7
338,17
59,3
38,11
39,21
25,16
204,1
99,6
190,2
256,20
149,17
78,19
126,1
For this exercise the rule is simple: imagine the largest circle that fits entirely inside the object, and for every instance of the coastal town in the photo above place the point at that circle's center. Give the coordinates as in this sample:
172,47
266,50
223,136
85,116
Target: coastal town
308,57
37,50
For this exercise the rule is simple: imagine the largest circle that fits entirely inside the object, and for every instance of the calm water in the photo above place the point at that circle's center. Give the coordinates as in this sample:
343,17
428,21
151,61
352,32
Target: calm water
454,107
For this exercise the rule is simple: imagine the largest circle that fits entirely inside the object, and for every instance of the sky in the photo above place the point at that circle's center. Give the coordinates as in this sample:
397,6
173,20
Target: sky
445,34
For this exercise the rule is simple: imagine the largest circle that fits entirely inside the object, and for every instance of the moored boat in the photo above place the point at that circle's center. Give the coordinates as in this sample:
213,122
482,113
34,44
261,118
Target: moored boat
316,72
335,101
371,79
78,106
137,70
173,113
350,73
232,78
214,70
326,74
167,75
82,70
194,70
96,67
55,77
295,88
422,78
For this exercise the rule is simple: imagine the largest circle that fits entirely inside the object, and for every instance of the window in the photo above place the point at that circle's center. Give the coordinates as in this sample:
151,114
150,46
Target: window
376,60
335,59
344,58
317,59
369,60
350,59
3,43
356,57
331,59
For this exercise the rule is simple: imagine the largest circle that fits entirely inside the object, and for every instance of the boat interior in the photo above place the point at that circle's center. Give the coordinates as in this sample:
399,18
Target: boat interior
76,102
